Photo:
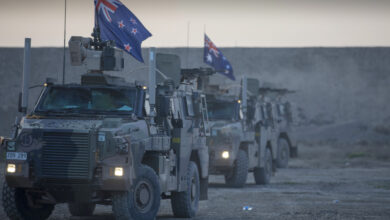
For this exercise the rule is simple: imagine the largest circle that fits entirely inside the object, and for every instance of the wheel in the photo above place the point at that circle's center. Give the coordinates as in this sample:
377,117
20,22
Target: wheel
81,209
238,175
185,204
263,174
16,205
142,201
283,153
294,152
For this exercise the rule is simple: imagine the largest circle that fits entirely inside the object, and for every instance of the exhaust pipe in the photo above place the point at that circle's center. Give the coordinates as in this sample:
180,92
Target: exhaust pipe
26,75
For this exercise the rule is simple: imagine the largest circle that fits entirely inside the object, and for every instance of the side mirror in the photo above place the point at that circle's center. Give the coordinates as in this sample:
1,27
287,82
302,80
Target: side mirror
147,107
241,115
1,141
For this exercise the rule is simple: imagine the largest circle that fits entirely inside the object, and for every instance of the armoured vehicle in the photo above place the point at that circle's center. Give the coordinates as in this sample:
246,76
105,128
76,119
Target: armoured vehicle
106,141
278,116
239,142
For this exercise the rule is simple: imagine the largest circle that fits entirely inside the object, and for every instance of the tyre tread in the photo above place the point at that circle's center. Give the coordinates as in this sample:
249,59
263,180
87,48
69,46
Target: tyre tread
240,171
15,211
181,205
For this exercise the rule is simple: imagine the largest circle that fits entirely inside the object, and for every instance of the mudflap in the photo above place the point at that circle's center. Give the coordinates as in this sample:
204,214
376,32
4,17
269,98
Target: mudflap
204,187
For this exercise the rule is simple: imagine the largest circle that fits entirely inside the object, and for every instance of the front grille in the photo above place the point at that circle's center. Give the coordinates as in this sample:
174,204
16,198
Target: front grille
65,155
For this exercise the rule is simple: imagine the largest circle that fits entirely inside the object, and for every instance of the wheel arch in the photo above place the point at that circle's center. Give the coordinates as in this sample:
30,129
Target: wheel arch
201,159
149,159
244,146
285,136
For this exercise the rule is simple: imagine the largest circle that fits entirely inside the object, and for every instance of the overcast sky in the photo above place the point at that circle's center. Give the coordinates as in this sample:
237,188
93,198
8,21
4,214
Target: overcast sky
229,23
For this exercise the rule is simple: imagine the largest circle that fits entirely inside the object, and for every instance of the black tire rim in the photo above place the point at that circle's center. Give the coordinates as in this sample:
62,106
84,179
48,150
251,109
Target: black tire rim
143,196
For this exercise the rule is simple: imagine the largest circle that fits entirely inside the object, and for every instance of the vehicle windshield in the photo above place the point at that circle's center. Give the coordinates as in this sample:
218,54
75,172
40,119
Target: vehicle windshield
221,110
89,100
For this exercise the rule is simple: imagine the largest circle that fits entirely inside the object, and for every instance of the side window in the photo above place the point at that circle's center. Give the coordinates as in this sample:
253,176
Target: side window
250,112
264,112
175,106
281,109
189,106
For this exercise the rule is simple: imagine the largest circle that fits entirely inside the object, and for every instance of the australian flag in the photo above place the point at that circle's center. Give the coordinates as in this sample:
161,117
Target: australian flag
214,57
118,23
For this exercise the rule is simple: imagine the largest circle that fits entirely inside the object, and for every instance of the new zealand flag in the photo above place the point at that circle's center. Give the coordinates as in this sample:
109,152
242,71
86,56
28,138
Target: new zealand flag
214,57
118,23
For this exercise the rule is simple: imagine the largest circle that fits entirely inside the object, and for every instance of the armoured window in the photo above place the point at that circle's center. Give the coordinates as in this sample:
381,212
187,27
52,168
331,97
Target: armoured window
88,100
281,110
189,105
175,108
222,110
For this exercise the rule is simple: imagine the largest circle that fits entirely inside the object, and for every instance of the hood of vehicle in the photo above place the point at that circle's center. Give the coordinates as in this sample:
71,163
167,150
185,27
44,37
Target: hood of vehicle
75,124
224,128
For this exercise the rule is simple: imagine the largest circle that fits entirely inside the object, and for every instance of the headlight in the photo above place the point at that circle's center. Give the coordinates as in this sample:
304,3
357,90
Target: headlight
11,168
118,171
225,154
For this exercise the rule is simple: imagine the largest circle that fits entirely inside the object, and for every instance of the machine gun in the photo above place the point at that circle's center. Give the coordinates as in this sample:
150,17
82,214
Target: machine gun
105,57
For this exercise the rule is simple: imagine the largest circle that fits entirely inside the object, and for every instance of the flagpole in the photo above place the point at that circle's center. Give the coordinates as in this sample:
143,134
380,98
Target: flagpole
96,31
188,41
63,64
204,33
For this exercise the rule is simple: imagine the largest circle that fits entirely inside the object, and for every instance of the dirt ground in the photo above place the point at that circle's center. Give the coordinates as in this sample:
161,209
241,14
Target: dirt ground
325,182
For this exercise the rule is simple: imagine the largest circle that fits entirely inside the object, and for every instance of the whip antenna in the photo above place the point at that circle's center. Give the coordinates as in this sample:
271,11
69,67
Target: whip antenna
63,62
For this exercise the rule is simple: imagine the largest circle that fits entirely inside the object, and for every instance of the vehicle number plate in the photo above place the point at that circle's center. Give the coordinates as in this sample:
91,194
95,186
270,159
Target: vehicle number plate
16,156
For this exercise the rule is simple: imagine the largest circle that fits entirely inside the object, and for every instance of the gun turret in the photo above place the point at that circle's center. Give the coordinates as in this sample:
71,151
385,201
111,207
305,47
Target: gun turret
200,75
106,57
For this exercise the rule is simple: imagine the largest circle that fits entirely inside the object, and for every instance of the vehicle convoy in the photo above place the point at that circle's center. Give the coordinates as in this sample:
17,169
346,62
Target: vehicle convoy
278,116
241,139
106,141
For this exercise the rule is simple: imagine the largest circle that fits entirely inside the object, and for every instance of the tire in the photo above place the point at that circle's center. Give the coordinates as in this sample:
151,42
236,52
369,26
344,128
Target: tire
81,209
239,173
16,206
283,153
263,174
142,201
185,204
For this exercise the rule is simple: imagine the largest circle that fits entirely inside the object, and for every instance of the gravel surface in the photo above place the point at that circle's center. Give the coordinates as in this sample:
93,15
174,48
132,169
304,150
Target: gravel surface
325,182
